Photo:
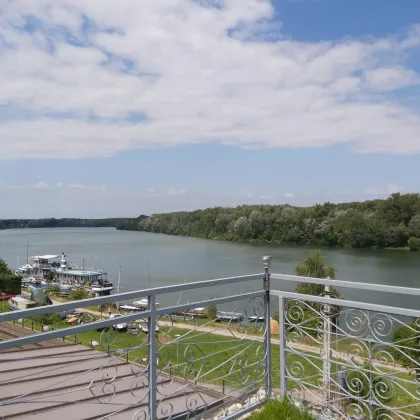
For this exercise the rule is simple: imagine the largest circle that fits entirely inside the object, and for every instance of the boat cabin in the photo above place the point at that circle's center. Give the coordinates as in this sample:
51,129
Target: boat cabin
18,303
79,277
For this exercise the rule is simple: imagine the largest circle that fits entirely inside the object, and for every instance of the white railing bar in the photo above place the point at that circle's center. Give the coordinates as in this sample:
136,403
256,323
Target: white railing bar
71,331
27,313
191,306
348,284
349,303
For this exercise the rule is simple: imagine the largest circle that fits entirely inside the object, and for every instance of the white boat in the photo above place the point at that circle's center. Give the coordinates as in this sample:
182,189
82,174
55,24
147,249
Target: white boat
195,312
30,281
122,326
129,308
256,319
143,304
18,303
145,327
101,288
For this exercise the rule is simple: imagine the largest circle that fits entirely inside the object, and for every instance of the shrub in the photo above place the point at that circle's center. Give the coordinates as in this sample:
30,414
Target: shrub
414,244
281,410
55,288
79,294
10,283
212,311
47,319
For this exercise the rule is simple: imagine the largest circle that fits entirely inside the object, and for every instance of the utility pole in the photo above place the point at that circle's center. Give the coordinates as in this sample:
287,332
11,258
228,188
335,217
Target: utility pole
148,272
326,351
118,287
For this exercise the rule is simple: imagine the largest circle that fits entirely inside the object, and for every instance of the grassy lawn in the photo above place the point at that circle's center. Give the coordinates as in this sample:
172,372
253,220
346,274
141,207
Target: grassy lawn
4,306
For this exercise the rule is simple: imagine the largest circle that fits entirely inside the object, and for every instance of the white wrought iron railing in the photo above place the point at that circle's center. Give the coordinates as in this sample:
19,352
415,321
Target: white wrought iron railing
335,357
347,359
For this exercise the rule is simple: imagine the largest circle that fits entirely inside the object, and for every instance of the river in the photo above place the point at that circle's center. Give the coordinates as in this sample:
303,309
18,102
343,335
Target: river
172,259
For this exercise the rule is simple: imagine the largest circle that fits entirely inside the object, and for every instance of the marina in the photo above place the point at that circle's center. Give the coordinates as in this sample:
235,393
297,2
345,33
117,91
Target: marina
54,270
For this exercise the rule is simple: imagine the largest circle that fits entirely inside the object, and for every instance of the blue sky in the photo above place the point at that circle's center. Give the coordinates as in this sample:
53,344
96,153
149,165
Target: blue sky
122,108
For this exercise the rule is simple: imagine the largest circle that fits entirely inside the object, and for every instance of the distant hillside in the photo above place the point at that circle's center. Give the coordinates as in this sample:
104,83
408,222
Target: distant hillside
393,222
55,223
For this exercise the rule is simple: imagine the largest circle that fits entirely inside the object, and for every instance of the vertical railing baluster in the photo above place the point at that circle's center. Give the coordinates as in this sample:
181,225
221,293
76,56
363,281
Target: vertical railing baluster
266,261
152,322
282,338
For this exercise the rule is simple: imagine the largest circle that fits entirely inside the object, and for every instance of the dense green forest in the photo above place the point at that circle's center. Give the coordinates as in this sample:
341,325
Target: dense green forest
52,223
393,222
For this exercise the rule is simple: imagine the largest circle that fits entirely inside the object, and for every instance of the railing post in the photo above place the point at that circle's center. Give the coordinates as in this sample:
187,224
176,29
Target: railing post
282,339
152,322
266,263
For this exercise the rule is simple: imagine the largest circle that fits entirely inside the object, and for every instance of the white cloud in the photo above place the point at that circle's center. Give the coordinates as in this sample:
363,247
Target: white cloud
289,195
151,192
390,78
383,192
374,191
41,185
45,185
176,64
394,188
173,192
87,187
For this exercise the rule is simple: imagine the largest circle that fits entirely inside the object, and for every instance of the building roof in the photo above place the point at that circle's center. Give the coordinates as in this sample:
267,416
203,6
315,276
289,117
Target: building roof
81,273
45,257
85,384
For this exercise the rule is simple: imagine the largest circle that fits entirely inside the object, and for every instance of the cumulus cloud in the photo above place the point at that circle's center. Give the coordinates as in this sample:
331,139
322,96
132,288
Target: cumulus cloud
94,78
289,195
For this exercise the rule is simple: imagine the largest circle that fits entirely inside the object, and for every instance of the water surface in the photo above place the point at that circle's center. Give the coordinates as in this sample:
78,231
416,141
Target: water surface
172,259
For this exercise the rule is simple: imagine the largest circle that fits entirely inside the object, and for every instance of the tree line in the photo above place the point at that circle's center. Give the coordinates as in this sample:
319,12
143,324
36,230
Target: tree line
53,223
392,222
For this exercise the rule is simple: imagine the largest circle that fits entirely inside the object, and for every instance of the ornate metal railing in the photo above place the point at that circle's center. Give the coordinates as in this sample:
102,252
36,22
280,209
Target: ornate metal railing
336,357
163,362
346,359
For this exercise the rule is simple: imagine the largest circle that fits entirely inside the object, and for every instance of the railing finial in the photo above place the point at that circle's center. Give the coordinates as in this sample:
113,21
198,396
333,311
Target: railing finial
266,261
